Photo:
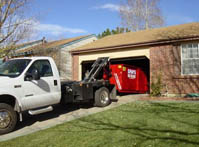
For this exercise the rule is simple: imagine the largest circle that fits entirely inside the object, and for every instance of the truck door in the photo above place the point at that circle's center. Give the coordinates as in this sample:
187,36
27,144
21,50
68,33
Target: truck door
42,92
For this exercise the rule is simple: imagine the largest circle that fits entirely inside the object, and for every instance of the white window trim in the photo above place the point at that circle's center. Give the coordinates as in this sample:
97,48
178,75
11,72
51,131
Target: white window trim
182,61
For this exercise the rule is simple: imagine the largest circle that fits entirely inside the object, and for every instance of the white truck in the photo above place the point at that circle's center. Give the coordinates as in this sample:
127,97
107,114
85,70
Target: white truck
32,84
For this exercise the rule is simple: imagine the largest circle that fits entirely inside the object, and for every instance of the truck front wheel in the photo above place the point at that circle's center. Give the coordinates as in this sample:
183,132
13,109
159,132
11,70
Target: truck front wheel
8,118
102,97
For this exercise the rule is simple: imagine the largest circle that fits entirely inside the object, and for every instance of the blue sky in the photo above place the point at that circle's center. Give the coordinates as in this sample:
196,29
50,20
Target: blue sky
60,19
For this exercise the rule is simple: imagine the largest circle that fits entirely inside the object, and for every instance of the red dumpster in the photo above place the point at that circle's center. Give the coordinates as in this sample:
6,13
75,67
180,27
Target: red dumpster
127,78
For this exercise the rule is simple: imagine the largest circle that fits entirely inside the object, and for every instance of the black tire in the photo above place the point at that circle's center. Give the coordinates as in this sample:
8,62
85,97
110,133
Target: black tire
102,97
7,124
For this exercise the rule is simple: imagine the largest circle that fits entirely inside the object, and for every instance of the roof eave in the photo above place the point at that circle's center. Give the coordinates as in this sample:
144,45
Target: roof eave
140,44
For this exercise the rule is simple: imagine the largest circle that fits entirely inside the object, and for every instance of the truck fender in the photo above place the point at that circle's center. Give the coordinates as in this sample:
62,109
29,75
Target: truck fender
17,105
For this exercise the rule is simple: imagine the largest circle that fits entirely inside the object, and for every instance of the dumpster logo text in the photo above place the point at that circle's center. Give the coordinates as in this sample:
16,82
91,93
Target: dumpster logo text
131,74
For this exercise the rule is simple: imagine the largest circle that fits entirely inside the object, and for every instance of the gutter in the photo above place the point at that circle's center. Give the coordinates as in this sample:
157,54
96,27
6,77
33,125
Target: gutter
147,43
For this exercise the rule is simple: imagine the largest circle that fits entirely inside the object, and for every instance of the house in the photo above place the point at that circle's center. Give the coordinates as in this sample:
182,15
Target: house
59,50
27,45
170,54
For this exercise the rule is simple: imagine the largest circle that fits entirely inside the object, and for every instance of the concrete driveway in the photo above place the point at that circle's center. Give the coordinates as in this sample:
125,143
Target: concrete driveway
60,115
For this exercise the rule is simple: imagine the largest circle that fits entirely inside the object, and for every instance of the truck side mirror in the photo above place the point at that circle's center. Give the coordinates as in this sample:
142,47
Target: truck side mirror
35,74
28,77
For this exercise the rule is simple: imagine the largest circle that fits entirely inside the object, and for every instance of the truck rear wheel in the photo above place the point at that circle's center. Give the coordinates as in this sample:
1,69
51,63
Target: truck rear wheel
8,118
102,97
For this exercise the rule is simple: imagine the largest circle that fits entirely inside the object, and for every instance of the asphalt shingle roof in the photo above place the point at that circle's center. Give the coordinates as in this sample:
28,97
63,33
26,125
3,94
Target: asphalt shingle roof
151,35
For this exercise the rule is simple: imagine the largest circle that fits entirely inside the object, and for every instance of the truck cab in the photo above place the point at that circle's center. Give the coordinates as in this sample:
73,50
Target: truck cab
27,84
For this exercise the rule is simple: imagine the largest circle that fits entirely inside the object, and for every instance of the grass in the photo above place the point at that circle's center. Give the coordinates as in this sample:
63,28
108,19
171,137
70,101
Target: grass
160,124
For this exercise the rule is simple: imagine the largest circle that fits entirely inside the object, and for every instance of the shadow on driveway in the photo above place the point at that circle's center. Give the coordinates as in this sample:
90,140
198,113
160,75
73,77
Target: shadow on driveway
58,110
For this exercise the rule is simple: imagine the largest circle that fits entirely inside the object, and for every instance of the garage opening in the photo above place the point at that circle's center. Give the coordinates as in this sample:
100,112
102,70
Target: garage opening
141,62
86,67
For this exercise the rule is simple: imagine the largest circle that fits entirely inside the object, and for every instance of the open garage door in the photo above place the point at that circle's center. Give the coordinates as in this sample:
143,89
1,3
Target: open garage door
141,62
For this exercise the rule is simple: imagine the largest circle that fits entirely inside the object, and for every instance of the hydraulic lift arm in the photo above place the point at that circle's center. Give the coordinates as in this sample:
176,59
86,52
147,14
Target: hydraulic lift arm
96,68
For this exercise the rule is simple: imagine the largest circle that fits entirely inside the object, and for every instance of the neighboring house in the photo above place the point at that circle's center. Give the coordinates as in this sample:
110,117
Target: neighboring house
21,47
171,53
59,51
30,44
10,50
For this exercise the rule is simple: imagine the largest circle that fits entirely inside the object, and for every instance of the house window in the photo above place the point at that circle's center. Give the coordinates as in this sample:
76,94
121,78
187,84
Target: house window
190,59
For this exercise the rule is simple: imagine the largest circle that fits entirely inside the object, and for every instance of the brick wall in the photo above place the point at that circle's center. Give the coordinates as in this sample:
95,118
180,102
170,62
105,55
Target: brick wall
75,67
166,61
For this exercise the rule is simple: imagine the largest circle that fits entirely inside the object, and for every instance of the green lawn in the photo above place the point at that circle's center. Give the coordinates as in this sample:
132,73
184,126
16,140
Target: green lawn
147,124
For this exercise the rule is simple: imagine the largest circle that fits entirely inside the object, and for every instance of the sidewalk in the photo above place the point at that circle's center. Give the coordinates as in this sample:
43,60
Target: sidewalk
59,115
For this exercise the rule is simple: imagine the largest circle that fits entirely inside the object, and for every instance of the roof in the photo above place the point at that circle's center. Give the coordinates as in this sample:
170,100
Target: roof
53,44
29,44
145,36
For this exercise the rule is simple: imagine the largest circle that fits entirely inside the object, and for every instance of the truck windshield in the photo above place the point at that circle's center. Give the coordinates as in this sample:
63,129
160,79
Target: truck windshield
13,68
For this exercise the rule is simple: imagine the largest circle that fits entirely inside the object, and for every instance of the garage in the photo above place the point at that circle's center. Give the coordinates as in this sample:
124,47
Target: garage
137,57
124,55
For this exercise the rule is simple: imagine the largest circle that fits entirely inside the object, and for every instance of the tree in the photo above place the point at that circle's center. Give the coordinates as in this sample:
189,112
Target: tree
15,25
141,14
118,30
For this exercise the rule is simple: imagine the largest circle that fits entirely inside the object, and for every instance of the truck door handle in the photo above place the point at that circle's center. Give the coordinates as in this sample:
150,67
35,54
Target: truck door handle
55,82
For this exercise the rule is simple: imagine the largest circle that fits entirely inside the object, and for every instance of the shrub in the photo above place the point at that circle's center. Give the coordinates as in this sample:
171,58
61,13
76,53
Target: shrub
156,86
